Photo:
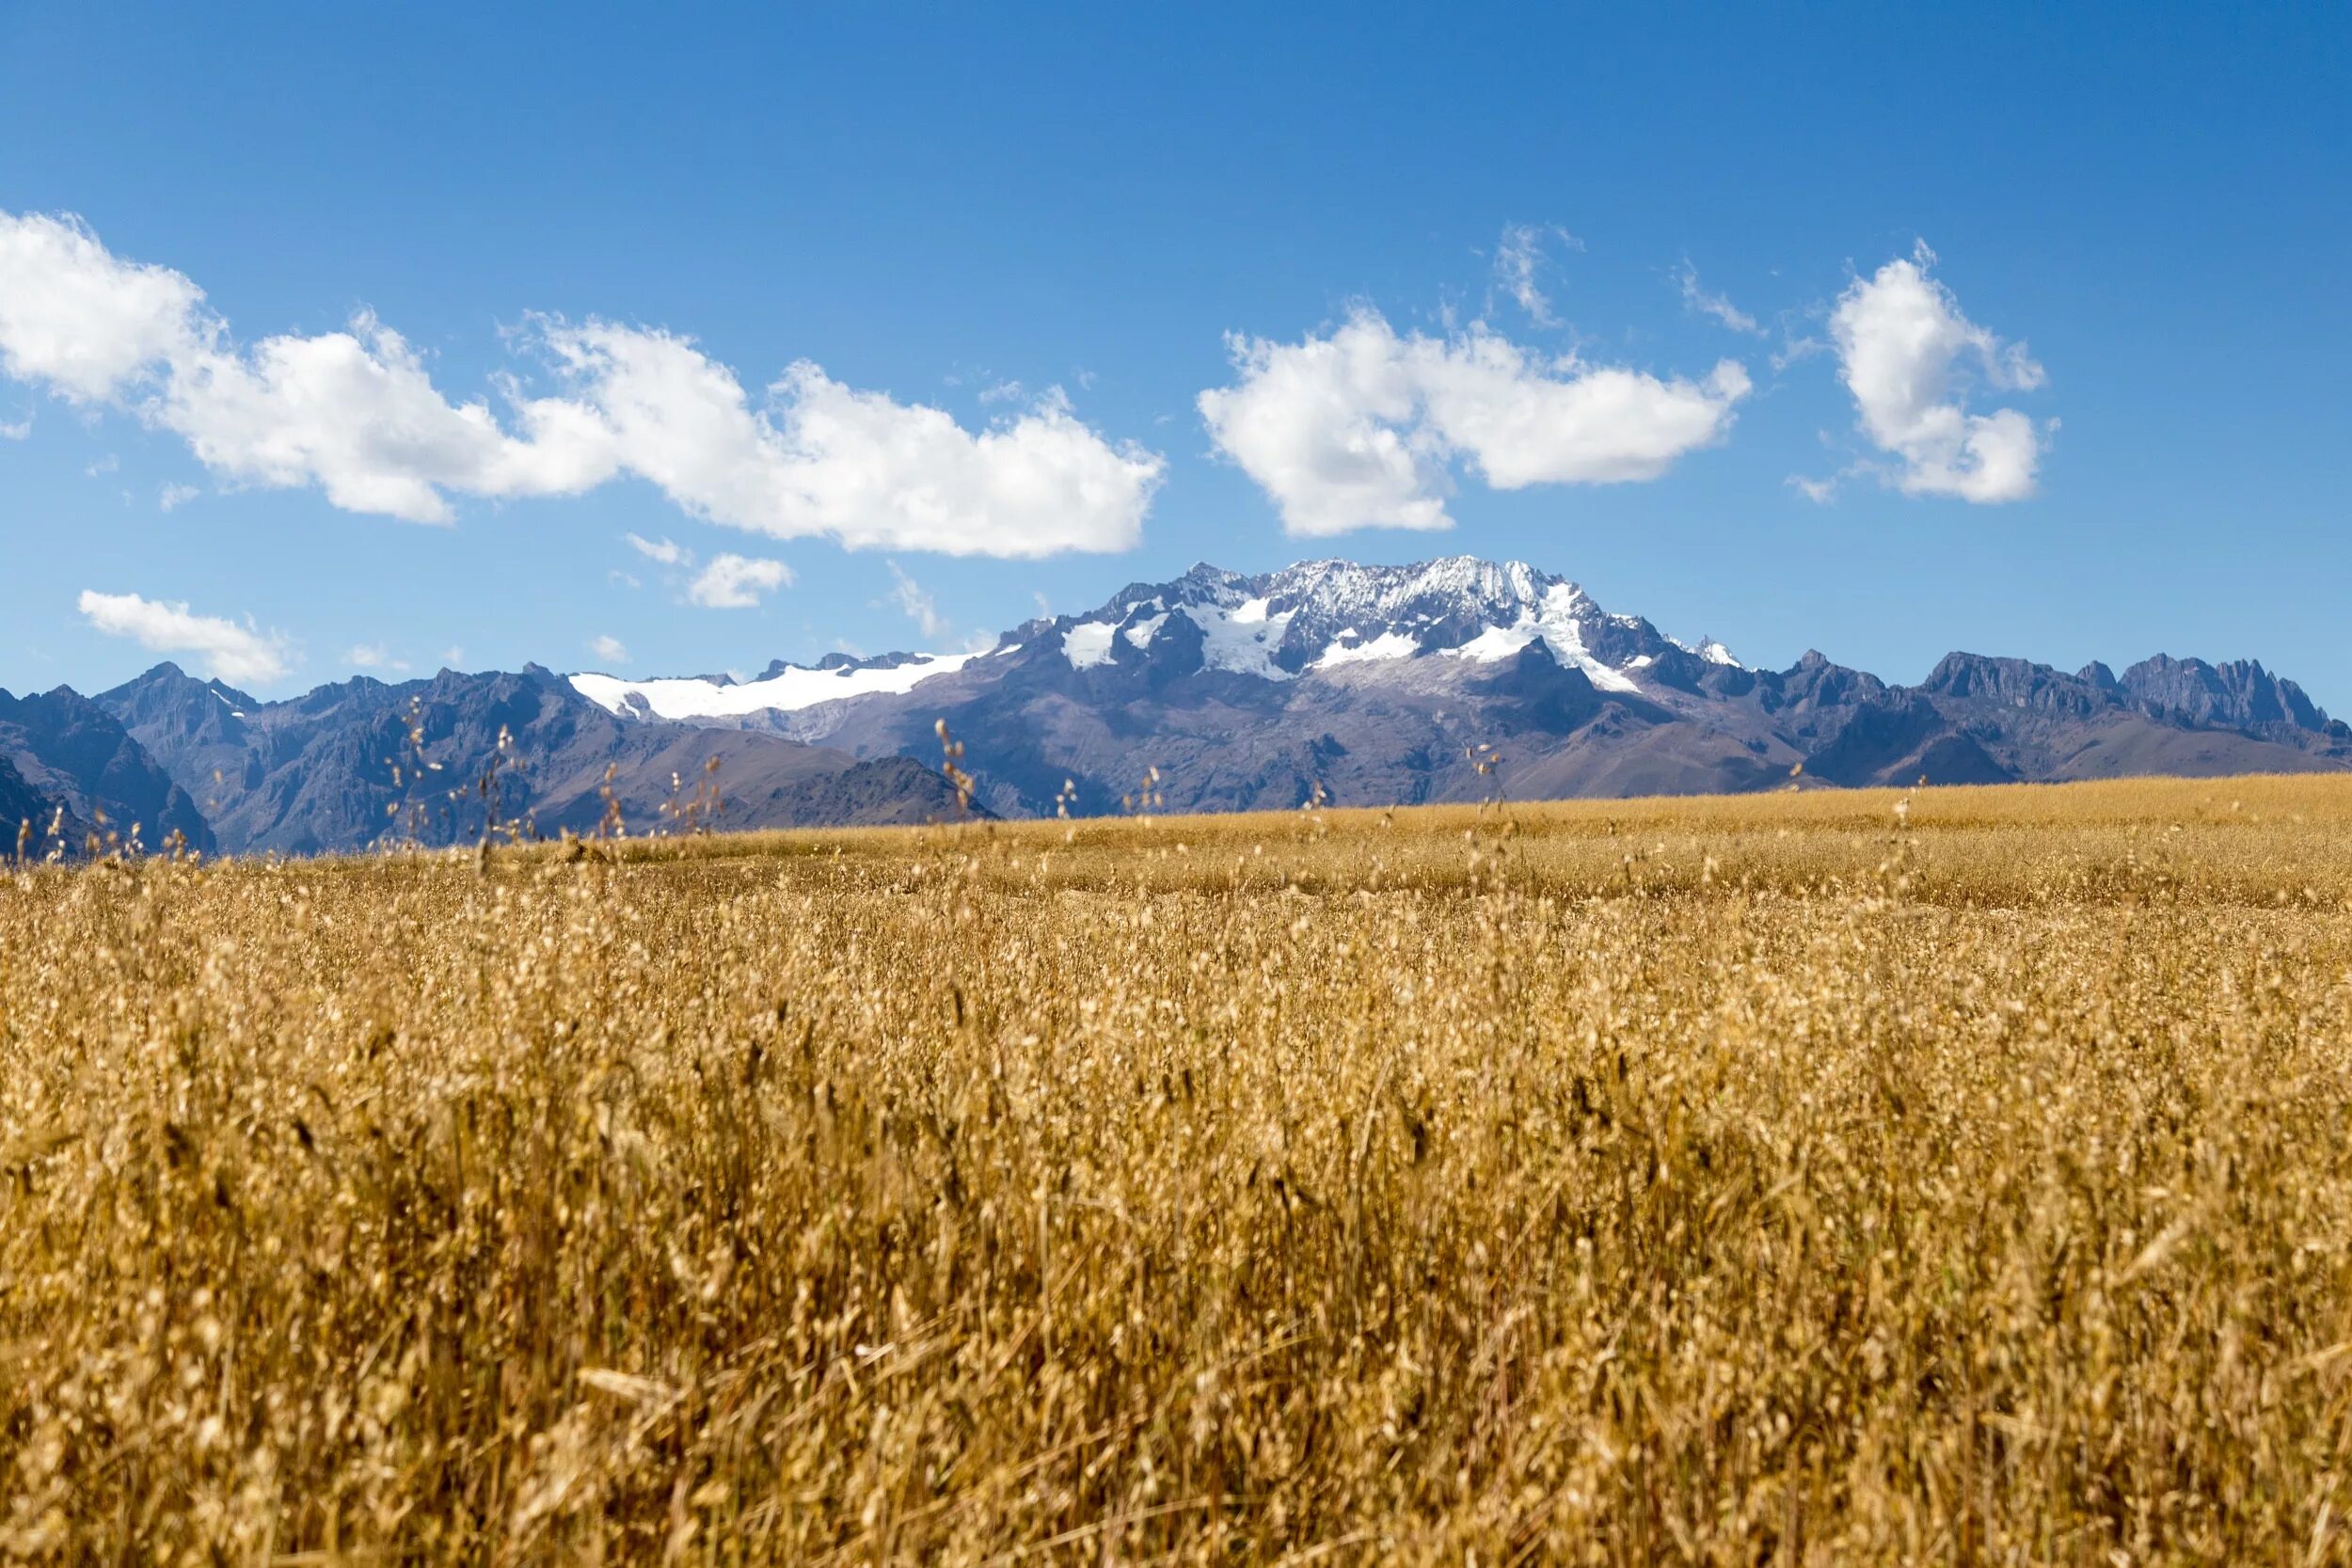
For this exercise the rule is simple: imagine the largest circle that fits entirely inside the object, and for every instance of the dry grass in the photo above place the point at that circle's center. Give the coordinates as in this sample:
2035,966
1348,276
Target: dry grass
1738,1181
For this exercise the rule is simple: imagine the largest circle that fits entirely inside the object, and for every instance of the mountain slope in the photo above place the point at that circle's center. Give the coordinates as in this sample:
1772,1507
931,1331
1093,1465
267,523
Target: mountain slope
1382,685
25,814
73,754
350,765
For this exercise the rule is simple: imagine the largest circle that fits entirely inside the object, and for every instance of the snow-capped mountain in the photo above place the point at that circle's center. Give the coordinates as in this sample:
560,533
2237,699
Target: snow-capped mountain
1320,614
1314,616
1384,684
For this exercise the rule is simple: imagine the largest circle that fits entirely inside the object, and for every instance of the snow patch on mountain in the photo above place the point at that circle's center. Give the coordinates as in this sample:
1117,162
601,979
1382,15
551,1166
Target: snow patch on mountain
1243,636
1389,644
788,690
1087,643
1555,619
1240,632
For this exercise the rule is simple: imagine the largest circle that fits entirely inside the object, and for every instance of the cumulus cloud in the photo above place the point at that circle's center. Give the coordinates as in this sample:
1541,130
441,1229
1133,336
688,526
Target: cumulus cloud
1331,427
1358,427
172,495
77,318
610,649
1910,358
736,582
823,459
16,430
355,414
230,651
1714,306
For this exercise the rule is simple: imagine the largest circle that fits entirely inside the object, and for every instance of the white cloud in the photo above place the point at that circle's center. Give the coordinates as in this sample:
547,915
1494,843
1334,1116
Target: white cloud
1519,263
454,655
73,316
1716,306
823,459
352,412
1906,353
610,649
1357,427
17,431
736,582
355,413
1332,428
230,651
1523,421
373,656
172,495
665,550
919,606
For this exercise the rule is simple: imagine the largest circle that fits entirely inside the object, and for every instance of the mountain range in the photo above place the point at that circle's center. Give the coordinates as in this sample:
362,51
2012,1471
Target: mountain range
1450,680
1399,685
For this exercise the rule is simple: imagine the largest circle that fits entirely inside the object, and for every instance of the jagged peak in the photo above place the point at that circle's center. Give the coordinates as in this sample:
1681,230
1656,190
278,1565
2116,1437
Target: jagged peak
2237,691
167,674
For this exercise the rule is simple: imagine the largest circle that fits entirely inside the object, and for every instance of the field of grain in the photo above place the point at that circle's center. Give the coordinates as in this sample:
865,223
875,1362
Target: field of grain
1823,1178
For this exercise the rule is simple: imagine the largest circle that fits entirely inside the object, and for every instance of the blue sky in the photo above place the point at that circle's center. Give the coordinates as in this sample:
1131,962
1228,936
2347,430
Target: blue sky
2107,416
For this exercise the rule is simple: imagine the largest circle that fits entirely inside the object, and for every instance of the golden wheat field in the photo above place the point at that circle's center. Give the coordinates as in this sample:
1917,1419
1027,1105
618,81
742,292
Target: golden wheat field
1825,1178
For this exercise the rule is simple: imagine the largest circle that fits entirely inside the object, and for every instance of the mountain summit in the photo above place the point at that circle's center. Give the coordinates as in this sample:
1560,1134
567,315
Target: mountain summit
1320,614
